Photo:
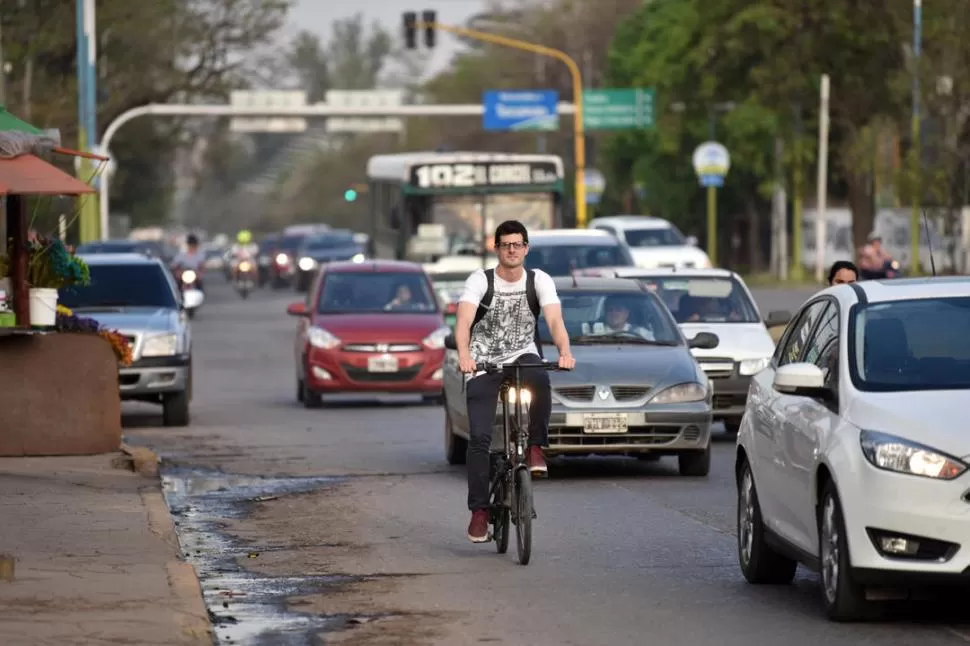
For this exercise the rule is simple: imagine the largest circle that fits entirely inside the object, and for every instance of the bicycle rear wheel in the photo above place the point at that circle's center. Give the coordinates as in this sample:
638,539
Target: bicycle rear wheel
522,500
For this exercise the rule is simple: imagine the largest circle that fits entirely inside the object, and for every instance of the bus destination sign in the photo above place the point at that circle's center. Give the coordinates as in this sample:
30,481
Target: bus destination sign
483,175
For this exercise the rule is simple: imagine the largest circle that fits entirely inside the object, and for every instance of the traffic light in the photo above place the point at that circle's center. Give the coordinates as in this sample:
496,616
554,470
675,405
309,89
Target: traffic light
350,195
429,20
410,27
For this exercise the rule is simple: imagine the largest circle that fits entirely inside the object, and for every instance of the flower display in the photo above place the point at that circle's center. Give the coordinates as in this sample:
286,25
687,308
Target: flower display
67,321
50,265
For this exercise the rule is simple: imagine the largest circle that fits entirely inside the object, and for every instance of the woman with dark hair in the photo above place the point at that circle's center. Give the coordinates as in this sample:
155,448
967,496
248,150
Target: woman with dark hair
843,272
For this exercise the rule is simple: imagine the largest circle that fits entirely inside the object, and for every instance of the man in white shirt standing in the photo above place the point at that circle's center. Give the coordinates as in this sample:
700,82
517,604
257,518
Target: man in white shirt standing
502,330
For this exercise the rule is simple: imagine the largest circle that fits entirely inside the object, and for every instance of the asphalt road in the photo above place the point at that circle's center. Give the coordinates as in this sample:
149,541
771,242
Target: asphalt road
624,552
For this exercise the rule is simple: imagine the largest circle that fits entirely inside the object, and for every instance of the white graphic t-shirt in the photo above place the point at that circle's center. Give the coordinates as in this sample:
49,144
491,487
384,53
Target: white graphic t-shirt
508,329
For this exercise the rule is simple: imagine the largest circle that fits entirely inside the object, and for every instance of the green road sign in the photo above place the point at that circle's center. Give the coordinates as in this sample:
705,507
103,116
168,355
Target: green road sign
618,109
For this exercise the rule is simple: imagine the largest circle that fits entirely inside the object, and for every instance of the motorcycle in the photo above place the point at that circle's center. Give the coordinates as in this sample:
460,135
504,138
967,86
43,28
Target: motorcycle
890,269
191,288
244,277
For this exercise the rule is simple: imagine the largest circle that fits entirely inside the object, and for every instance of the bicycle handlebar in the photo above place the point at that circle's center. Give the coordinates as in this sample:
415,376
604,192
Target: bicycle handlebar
492,368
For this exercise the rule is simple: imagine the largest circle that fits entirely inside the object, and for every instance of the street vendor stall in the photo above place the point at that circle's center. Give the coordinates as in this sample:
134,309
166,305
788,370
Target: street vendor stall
58,378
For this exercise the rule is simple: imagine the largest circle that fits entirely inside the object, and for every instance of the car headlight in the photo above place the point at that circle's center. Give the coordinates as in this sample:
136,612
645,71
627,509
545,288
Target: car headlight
681,394
753,366
282,258
903,456
359,257
163,345
189,276
306,264
436,340
320,338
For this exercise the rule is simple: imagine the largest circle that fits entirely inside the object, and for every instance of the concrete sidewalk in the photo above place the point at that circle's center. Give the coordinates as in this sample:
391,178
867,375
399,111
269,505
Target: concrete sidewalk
96,558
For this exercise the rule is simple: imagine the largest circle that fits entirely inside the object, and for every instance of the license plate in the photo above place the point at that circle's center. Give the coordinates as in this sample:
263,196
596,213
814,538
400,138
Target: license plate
605,423
382,364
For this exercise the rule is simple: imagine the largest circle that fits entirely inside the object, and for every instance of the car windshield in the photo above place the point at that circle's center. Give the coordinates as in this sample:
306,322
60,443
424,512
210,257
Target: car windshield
122,246
563,260
665,237
141,285
911,345
368,292
614,317
703,299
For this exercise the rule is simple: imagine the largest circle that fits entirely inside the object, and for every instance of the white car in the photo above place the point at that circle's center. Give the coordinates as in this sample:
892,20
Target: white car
852,456
718,302
654,242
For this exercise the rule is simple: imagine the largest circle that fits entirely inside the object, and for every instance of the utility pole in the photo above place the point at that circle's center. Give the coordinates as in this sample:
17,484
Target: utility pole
821,231
87,113
779,216
797,268
915,267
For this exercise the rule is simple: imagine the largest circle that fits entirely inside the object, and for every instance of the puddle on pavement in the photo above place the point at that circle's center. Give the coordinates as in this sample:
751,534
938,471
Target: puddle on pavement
246,608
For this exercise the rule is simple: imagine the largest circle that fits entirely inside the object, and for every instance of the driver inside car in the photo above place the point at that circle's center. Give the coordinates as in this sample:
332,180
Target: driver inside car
616,316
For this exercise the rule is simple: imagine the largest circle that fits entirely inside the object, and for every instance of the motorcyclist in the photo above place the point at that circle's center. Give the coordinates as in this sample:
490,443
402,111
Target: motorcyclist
192,258
873,258
243,249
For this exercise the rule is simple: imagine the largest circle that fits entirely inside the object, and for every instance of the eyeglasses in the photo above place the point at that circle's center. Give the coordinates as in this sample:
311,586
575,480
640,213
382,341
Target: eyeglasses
505,246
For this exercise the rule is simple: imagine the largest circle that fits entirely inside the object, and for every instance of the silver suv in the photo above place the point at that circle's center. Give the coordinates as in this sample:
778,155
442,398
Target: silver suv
138,297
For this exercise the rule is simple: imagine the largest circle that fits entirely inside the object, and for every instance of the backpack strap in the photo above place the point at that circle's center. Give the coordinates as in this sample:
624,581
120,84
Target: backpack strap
486,301
533,297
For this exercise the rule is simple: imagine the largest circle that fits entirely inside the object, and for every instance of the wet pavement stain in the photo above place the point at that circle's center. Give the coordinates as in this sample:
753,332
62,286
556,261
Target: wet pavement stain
245,608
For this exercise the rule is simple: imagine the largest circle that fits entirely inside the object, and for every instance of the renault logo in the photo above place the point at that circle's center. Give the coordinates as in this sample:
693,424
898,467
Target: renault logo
604,392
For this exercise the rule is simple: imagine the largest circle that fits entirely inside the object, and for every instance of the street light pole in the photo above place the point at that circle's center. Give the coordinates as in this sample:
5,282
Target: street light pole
915,267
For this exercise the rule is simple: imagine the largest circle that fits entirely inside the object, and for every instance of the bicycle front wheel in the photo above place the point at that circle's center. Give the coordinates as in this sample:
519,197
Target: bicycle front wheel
523,512
500,519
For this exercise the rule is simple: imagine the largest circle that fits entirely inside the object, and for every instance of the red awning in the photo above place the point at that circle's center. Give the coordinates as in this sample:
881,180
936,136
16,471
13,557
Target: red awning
31,175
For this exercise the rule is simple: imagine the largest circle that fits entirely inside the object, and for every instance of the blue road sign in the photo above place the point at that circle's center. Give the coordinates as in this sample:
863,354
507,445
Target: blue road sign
521,110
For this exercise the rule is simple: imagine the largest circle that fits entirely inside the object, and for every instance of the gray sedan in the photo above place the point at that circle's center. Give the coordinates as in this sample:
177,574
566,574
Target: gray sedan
636,390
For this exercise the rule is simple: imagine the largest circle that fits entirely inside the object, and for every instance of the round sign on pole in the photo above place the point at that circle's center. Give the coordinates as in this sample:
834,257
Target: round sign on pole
711,163
595,185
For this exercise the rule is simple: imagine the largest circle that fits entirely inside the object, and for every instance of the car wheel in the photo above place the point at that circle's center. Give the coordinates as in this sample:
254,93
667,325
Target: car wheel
455,446
845,600
759,562
695,463
311,398
175,409
732,426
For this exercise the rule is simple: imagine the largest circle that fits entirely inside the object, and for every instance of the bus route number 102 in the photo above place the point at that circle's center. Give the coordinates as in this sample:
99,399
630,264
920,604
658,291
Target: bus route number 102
471,175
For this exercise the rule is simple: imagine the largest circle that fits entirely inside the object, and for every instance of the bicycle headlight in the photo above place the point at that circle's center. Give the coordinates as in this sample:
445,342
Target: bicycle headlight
681,394
525,395
896,454
163,345
753,366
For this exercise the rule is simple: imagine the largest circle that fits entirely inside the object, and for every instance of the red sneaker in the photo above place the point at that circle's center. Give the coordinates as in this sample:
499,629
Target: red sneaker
536,462
478,528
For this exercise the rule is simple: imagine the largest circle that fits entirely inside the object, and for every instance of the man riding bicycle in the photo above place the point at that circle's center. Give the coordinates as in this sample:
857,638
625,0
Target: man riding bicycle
496,323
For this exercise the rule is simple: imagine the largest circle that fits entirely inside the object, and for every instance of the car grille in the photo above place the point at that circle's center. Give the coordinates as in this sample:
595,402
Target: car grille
629,393
576,393
381,347
716,368
729,401
363,376
586,393
655,435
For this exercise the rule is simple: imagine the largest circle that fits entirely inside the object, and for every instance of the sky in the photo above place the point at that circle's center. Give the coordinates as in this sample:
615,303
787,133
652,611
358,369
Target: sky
316,16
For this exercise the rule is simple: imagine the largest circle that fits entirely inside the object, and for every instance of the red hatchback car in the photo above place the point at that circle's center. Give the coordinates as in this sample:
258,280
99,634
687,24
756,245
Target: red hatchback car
371,327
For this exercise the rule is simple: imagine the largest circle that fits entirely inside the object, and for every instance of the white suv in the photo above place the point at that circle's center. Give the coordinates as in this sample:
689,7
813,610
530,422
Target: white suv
654,242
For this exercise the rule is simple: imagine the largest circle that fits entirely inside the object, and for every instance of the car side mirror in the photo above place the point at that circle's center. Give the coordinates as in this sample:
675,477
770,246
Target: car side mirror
704,341
297,309
802,380
778,317
450,342
691,241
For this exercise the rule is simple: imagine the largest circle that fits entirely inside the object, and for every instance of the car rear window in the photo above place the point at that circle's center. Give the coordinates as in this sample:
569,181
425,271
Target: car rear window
122,285
370,292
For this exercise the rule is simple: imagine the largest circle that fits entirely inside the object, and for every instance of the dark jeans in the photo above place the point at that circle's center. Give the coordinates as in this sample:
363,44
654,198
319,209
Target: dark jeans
482,400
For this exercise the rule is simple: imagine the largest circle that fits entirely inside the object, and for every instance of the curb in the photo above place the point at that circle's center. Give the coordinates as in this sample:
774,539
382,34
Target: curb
182,578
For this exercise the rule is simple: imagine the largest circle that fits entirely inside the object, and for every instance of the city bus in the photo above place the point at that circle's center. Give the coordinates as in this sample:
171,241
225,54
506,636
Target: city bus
426,206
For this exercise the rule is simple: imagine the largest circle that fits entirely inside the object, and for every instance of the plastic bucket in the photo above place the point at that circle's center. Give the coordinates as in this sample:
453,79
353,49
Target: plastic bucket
43,306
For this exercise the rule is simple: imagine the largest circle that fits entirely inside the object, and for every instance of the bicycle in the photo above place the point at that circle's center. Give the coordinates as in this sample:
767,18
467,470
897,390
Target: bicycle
510,483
